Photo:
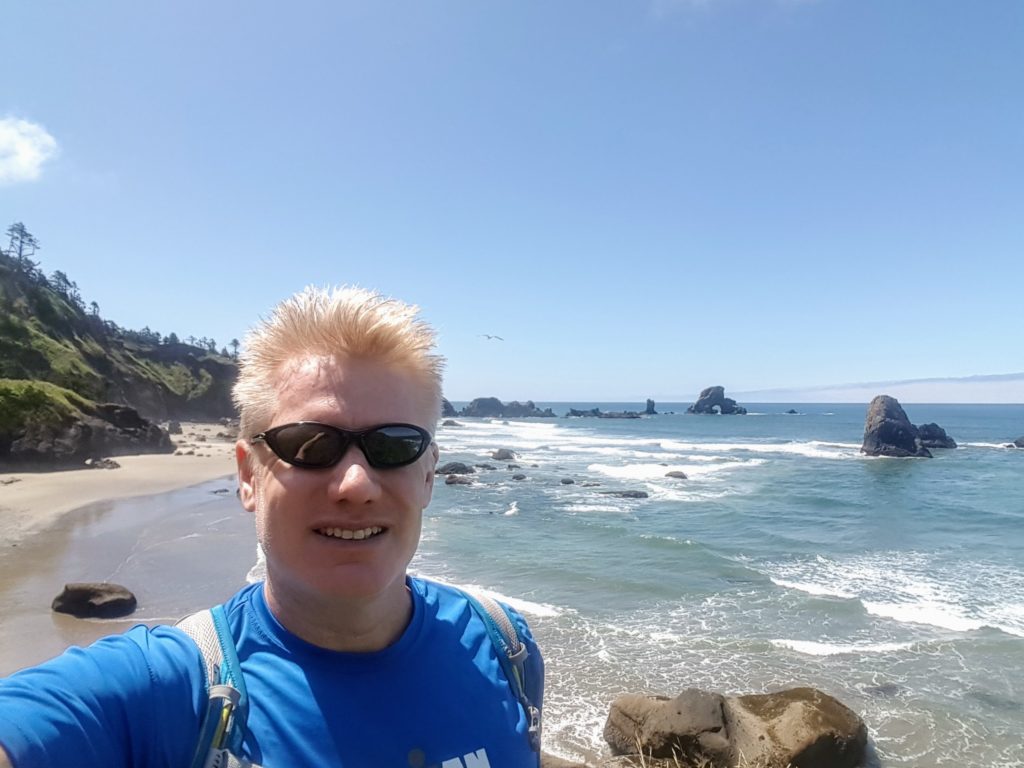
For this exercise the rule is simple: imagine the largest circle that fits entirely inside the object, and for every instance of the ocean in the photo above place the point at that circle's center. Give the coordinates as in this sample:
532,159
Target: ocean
785,558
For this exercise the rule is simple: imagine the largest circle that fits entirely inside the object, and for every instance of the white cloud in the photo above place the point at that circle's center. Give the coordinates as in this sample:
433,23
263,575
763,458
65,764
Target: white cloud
24,147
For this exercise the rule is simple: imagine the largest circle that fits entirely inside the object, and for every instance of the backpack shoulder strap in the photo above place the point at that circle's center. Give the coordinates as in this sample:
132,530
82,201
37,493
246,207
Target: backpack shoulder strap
512,655
223,727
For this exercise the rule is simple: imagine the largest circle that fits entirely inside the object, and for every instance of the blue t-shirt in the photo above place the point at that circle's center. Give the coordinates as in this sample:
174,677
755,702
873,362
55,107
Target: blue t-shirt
436,698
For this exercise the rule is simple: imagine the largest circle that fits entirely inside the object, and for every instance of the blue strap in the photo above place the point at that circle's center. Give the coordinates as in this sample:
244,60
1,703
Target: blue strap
231,674
512,655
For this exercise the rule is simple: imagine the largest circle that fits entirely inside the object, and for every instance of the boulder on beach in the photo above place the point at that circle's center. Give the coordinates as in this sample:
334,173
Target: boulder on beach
796,727
713,400
95,600
503,454
888,431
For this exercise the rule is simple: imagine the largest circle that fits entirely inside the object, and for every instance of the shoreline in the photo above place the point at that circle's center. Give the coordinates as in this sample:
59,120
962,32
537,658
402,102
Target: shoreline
31,502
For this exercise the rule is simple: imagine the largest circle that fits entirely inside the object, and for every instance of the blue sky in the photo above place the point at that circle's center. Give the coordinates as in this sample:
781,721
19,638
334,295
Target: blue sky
641,198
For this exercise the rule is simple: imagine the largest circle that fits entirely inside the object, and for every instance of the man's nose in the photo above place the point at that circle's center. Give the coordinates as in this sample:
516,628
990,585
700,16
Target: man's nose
353,479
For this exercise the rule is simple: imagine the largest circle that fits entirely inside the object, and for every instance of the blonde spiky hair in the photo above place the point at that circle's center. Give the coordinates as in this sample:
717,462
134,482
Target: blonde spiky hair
326,322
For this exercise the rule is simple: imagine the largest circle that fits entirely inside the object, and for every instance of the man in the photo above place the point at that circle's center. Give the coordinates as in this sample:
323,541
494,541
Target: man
347,661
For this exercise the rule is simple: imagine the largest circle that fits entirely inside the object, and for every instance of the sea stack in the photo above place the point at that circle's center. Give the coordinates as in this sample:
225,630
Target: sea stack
888,431
713,400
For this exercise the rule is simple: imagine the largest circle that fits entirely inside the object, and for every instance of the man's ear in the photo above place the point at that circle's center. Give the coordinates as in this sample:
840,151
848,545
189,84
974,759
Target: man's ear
246,462
435,454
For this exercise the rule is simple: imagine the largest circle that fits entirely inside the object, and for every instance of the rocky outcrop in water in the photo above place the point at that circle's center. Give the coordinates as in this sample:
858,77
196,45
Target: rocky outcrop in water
447,409
597,413
649,410
888,431
454,468
713,400
933,436
1019,442
492,407
101,600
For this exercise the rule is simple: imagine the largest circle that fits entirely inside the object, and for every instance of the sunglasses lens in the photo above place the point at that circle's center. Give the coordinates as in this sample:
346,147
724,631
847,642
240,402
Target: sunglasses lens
394,446
308,445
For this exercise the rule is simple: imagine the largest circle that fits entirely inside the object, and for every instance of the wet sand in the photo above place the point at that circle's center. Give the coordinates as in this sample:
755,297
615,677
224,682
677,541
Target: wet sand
168,527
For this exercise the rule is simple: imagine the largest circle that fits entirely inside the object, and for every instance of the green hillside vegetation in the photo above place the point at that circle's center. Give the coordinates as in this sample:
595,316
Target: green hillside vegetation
48,337
38,403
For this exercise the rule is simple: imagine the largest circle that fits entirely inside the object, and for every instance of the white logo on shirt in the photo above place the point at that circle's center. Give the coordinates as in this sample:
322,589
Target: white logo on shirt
476,759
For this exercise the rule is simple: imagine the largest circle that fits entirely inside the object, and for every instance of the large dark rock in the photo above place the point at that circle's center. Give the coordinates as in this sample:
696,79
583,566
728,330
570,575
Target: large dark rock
933,436
713,400
888,431
101,600
111,430
649,410
1019,442
454,468
447,409
797,727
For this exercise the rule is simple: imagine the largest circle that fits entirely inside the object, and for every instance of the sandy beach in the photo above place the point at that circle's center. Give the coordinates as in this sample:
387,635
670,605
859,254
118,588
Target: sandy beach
166,526
33,501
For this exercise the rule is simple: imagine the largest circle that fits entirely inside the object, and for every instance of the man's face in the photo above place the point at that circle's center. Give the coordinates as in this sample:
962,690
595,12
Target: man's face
302,514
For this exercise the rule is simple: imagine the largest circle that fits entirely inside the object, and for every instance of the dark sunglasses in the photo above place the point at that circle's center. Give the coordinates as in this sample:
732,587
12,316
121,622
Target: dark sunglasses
312,445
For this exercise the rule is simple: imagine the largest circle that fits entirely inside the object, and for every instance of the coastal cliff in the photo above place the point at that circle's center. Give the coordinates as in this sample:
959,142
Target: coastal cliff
73,384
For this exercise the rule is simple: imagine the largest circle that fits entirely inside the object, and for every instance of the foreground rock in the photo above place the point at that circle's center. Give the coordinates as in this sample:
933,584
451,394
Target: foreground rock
797,727
713,400
101,600
888,431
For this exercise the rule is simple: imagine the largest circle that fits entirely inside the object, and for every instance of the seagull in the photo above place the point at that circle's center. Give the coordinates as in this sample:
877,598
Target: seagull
491,336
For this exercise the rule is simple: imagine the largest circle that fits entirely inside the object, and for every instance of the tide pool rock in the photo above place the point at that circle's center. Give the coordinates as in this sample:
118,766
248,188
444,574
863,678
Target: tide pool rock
95,600
888,431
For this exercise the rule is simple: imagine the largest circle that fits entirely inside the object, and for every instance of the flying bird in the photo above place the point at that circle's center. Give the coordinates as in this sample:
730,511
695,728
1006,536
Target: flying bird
491,336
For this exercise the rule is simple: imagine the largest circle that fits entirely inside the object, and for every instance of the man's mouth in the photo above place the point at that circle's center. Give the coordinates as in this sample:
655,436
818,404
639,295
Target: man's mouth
354,534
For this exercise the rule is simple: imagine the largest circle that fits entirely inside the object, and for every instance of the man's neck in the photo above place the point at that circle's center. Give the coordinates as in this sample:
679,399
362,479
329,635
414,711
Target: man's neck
355,626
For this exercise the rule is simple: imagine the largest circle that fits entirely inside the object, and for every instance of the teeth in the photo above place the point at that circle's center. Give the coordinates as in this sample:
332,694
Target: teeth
347,533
